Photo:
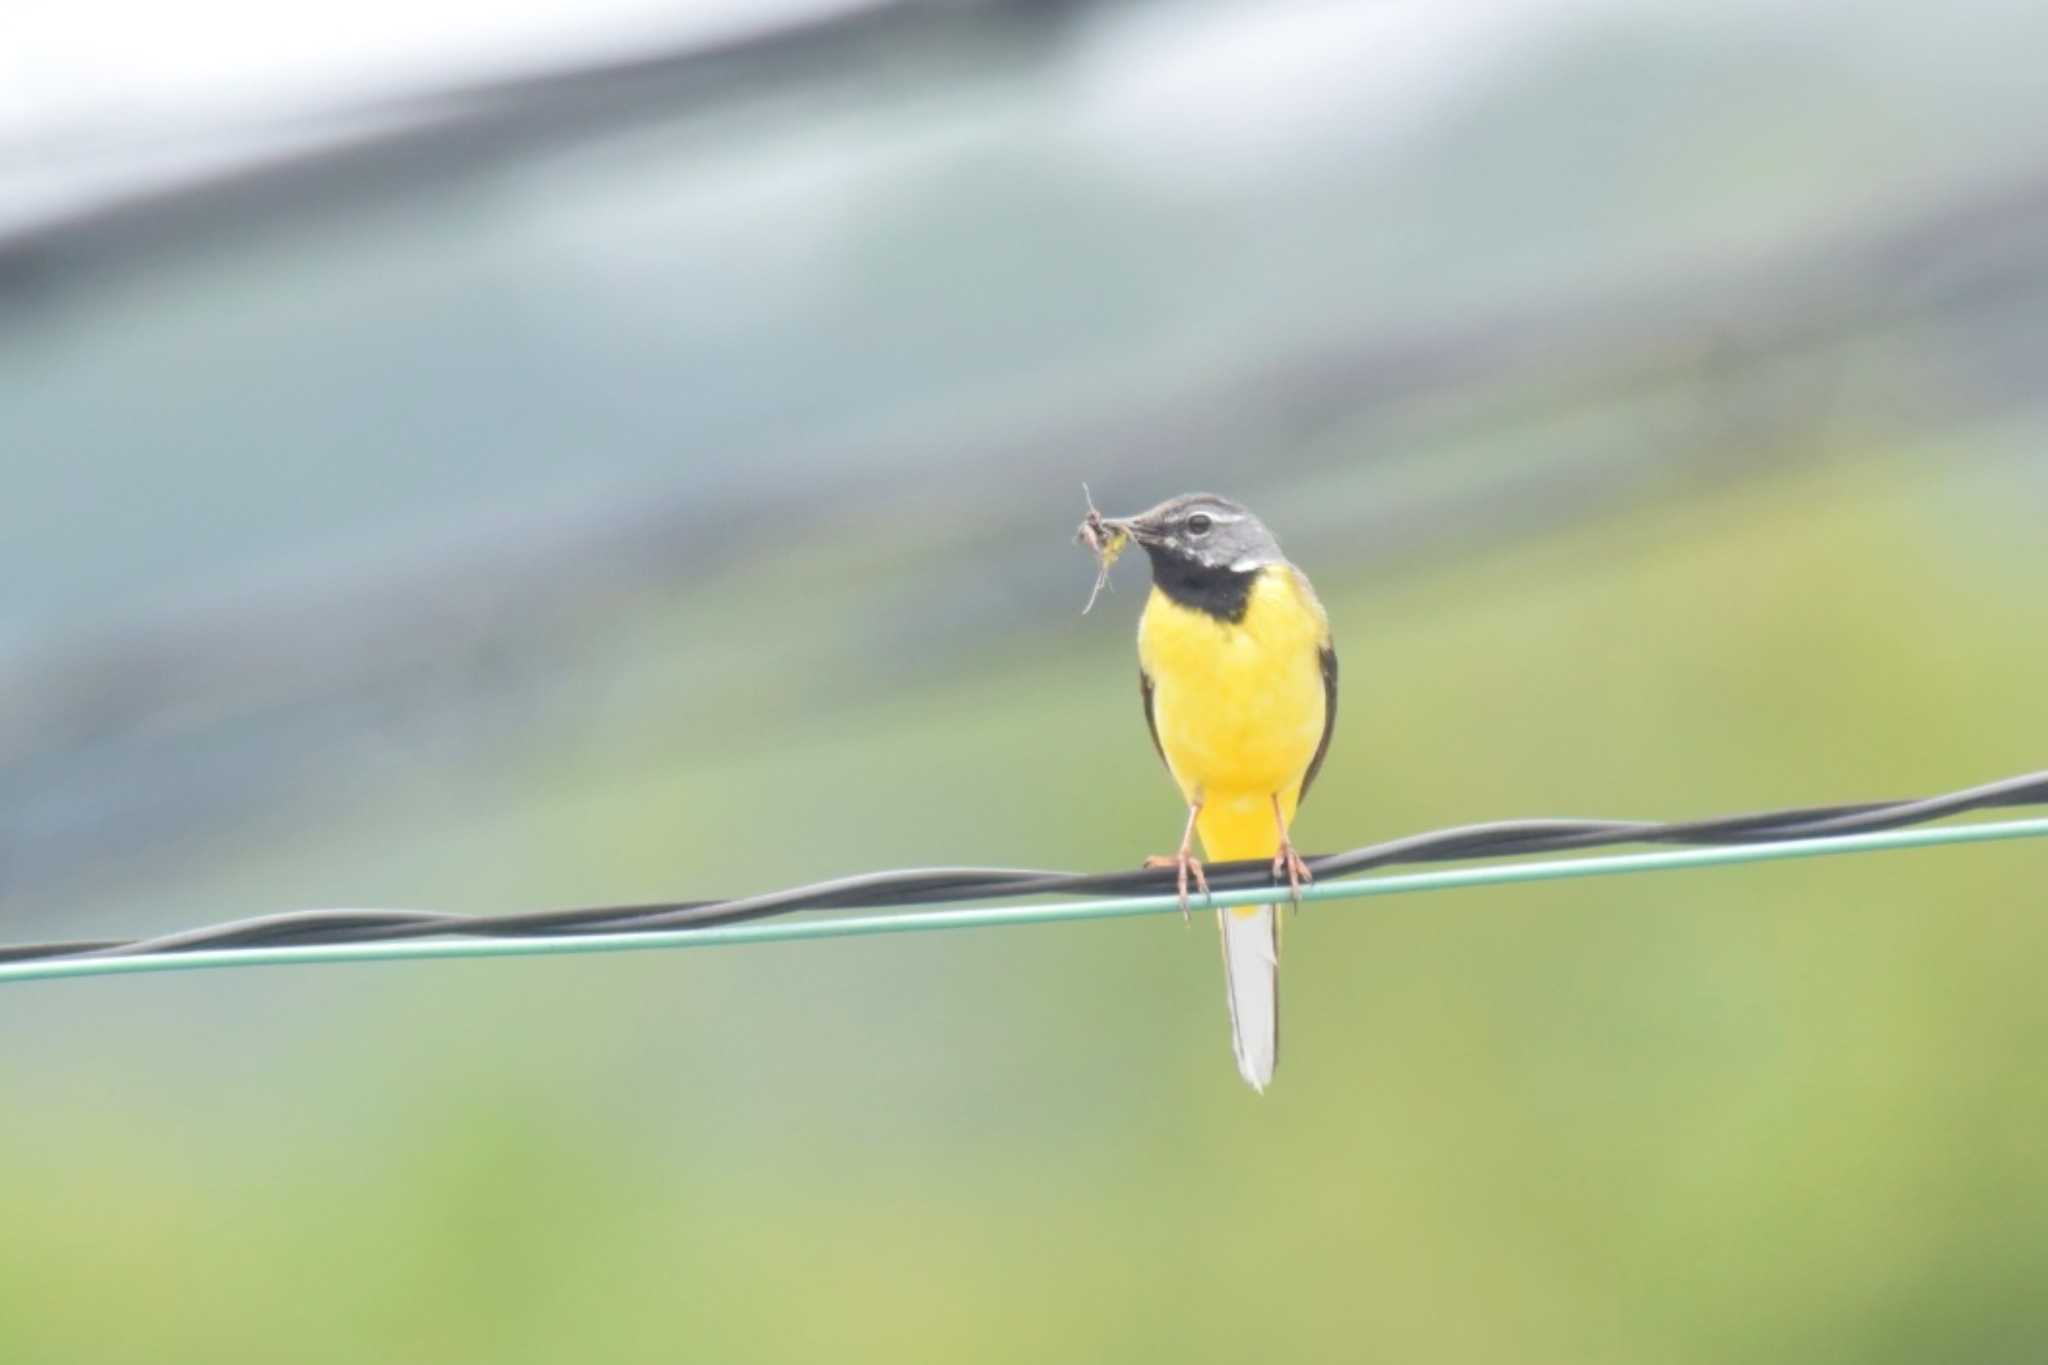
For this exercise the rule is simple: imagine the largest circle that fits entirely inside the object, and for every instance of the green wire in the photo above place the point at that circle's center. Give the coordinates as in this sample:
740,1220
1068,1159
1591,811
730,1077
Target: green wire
989,917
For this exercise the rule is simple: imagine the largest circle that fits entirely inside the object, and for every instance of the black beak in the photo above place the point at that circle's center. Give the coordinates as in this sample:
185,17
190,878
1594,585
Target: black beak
1137,528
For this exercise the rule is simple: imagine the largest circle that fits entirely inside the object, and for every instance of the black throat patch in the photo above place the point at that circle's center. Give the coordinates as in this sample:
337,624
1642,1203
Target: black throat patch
1222,593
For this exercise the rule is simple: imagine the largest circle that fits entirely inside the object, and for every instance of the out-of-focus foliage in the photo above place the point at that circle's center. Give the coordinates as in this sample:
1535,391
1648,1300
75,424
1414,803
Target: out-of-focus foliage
684,511
1705,1117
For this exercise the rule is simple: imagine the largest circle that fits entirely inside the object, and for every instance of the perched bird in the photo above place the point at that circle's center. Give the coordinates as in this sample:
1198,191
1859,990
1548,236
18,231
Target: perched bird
1239,682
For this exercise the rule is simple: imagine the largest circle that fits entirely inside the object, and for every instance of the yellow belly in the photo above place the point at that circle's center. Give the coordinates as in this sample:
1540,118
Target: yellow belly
1238,706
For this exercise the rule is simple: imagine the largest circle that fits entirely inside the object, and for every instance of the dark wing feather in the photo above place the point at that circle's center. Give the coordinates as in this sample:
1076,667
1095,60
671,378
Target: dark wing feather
1328,655
1145,691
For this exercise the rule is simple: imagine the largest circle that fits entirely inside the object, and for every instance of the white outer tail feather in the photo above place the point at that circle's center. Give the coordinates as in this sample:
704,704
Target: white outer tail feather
1251,981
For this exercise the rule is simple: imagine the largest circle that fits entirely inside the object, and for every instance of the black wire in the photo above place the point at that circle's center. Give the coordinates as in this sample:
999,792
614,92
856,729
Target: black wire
920,886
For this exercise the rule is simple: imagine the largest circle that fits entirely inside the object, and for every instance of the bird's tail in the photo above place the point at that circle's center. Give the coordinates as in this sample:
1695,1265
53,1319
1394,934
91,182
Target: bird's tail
1251,937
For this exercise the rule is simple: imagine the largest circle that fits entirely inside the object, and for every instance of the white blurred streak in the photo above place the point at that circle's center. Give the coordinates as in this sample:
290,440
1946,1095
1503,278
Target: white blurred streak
106,62
101,100
1230,85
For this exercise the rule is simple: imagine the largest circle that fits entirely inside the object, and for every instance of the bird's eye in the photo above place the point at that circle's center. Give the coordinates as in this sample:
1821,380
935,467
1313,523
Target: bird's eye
1199,524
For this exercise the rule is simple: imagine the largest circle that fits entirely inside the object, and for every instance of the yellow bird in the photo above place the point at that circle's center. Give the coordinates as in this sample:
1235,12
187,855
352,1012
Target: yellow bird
1239,681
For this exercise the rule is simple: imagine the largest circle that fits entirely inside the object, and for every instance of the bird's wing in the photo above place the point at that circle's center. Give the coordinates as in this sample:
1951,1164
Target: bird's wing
1145,692
1328,656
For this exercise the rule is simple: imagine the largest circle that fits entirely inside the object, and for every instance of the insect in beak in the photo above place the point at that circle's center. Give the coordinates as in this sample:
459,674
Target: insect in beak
1105,538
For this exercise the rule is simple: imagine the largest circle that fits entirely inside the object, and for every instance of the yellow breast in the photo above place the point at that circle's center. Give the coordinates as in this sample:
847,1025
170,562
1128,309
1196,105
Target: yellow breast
1238,705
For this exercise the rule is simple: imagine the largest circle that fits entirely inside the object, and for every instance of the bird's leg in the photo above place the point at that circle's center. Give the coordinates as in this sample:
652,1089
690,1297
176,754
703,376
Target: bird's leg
1184,864
1287,863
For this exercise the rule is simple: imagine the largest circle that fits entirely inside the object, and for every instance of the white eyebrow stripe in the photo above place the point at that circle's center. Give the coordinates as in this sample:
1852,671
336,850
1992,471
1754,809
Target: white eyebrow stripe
1218,517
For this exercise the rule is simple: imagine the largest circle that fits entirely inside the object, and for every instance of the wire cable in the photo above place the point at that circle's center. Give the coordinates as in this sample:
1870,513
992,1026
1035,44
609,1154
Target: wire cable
992,916
1750,837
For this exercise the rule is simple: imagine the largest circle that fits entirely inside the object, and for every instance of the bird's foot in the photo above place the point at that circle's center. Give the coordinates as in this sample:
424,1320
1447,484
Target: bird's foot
1184,865
1287,863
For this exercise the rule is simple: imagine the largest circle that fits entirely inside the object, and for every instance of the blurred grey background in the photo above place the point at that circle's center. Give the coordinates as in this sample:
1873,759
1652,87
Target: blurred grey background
491,458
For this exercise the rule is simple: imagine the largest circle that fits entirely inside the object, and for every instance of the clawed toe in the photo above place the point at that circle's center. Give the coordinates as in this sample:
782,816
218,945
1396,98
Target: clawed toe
1185,866
1288,864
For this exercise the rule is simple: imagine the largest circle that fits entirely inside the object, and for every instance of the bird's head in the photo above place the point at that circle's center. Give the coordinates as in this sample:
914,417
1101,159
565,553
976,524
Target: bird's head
1202,532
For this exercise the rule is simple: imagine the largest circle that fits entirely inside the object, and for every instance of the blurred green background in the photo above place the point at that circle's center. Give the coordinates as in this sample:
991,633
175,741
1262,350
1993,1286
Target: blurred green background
678,505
